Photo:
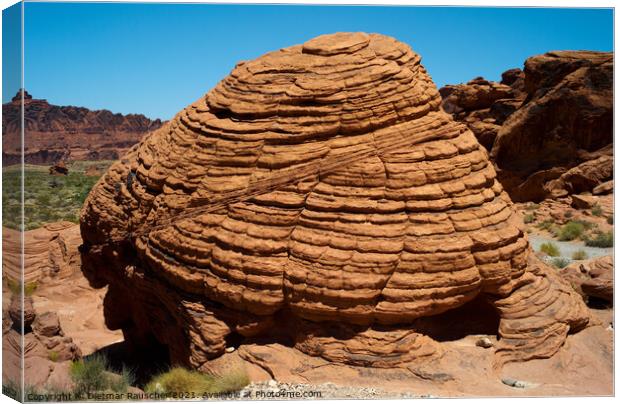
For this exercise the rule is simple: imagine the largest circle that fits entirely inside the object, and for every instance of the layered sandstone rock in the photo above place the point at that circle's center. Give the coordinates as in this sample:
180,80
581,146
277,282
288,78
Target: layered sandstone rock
43,347
593,278
484,105
49,253
54,133
549,128
317,193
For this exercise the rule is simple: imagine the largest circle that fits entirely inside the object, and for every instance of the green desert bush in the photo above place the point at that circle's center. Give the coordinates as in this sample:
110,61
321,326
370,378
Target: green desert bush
550,249
579,255
568,214
16,287
571,231
597,210
119,383
601,240
89,375
53,356
555,230
560,262
94,375
234,380
545,224
529,218
179,379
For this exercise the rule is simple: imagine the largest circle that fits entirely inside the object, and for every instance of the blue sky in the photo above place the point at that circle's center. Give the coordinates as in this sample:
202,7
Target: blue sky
157,58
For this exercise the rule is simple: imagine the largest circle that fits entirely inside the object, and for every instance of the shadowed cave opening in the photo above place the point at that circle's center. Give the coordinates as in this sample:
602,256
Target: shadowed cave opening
475,317
144,362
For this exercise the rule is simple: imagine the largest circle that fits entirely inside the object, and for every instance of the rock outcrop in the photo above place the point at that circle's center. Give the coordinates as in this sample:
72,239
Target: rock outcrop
46,351
592,279
54,133
49,253
549,128
484,105
317,194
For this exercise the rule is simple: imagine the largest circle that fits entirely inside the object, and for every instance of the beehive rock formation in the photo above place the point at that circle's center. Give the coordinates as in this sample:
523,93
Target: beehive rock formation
352,206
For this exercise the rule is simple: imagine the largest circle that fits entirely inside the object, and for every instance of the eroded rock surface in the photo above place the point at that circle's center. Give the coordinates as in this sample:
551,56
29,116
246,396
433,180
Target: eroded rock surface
593,278
46,350
484,105
548,127
49,252
345,207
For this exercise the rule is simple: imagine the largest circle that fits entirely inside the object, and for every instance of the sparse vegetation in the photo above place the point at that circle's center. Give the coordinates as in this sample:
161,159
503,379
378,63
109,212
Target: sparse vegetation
93,375
53,356
89,375
568,214
529,218
560,262
597,210
550,249
12,389
579,255
532,206
555,230
181,379
601,240
610,219
16,287
571,231
545,224
46,198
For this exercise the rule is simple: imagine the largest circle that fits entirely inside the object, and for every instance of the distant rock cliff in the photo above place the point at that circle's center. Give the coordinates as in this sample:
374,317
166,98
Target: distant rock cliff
56,133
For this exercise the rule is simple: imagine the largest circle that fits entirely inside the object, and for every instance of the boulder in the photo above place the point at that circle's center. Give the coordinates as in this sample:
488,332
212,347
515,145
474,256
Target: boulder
59,168
583,201
47,324
321,195
593,278
605,188
42,346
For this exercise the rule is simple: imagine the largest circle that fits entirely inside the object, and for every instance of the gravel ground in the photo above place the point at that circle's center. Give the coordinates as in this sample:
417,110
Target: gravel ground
567,248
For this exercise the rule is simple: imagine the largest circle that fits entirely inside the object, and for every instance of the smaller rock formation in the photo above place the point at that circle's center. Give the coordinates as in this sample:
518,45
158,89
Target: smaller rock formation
592,279
46,349
49,252
557,143
59,168
484,105
548,127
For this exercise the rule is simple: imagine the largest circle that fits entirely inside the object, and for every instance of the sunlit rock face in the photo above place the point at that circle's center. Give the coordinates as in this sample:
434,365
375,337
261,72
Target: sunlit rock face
346,207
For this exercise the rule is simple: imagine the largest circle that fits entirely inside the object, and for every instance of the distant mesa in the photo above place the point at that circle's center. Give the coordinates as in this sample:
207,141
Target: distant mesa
18,96
319,195
63,133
